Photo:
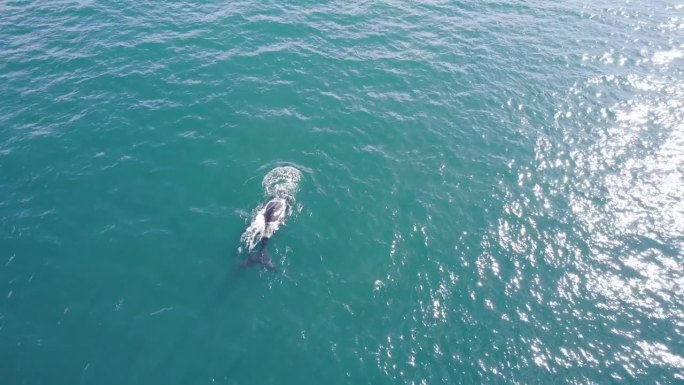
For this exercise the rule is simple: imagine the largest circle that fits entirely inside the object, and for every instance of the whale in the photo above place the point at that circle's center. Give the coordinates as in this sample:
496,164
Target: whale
269,219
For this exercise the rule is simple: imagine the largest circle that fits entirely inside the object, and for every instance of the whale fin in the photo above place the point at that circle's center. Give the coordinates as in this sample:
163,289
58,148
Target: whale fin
249,261
266,261
261,257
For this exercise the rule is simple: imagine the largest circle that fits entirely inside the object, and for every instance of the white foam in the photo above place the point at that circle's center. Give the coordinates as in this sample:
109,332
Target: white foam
282,182
254,232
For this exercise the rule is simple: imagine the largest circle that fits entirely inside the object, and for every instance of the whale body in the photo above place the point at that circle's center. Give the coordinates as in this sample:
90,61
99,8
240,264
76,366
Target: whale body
272,216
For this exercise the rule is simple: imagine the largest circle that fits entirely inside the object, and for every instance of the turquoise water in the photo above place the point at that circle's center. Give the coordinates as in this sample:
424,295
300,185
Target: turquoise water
491,192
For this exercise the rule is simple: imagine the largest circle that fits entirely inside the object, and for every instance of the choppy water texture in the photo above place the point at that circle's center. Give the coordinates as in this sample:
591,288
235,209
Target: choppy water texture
491,192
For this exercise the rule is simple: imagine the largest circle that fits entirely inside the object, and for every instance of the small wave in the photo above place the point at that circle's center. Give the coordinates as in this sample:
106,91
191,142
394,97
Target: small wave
665,57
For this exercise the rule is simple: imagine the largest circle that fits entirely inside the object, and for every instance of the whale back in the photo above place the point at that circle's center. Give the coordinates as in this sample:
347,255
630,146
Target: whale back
275,210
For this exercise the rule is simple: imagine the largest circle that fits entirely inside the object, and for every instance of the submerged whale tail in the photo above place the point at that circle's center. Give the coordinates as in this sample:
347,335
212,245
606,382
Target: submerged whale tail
261,257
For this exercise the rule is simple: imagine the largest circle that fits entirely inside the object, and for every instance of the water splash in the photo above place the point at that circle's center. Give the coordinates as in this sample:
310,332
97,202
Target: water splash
254,232
281,182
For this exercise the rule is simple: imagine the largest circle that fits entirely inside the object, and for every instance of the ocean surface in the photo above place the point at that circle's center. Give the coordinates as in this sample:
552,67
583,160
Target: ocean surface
484,192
